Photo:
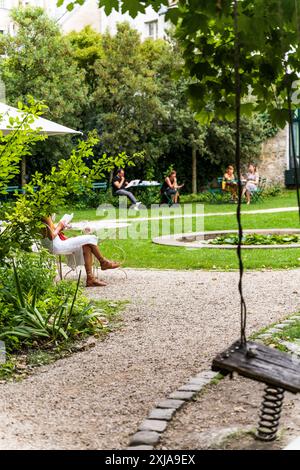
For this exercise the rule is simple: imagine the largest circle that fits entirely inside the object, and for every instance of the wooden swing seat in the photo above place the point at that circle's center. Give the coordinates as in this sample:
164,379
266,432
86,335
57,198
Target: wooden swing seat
261,363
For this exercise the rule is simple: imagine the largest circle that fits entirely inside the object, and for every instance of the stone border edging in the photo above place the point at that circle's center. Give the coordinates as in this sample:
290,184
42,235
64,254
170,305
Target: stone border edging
189,239
151,429
293,445
277,328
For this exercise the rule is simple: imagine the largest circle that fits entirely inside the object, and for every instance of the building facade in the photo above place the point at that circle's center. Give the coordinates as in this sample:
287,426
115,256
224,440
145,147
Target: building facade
6,24
149,25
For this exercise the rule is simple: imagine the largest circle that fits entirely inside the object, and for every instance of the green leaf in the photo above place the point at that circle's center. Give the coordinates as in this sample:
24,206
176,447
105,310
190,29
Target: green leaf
109,5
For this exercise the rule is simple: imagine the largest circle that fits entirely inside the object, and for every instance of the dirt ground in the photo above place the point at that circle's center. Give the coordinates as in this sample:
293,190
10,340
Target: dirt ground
225,416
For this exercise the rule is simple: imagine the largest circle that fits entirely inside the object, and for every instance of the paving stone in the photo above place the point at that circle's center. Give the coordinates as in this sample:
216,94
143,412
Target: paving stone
264,335
2,352
281,326
145,438
207,374
294,445
190,388
274,330
176,404
197,381
181,395
162,413
293,347
153,425
140,448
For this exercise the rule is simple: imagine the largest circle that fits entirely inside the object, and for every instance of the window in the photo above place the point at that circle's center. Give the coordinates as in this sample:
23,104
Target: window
152,27
2,3
1,31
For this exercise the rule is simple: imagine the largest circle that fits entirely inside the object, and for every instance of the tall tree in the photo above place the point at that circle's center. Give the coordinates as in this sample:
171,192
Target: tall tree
38,61
125,101
86,46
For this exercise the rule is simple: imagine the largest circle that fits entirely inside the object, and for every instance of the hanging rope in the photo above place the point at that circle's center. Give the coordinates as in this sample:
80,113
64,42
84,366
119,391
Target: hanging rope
238,169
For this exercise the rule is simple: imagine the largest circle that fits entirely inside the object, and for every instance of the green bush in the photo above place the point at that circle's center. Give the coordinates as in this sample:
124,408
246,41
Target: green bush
61,314
256,239
35,270
148,196
90,199
209,197
273,190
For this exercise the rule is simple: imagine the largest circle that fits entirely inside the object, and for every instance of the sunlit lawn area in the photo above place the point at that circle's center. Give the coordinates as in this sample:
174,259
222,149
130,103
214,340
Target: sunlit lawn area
143,253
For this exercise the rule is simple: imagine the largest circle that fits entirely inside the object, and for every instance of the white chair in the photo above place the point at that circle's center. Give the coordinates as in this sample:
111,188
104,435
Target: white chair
72,265
72,262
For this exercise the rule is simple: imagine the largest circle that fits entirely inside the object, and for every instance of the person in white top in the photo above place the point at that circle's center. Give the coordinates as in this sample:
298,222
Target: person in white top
252,180
84,245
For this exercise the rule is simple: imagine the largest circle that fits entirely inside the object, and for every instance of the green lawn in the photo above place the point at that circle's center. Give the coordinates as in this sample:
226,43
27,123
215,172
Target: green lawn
142,253
286,199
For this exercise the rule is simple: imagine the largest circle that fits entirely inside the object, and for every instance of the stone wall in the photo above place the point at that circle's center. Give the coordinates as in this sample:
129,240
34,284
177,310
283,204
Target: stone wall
273,161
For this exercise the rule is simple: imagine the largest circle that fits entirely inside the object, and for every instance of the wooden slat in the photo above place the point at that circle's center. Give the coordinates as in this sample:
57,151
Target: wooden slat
262,364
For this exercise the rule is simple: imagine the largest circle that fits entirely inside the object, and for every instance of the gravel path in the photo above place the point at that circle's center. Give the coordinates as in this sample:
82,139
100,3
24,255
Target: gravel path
176,322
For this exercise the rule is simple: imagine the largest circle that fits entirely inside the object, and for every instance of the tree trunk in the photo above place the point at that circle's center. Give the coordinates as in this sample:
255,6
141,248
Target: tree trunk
194,170
23,171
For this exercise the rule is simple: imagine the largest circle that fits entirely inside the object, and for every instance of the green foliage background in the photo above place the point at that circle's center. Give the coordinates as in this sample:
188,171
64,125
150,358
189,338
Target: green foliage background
133,93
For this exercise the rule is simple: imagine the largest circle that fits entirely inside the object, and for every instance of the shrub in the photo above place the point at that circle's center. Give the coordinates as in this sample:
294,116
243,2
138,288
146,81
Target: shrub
89,199
35,270
209,197
273,190
62,314
256,239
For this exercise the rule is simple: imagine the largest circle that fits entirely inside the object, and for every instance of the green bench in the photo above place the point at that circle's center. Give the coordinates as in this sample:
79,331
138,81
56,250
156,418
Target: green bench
256,195
10,190
218,189
100,185
13,189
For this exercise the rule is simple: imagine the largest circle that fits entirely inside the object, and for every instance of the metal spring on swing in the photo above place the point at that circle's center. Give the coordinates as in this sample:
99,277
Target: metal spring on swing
270,413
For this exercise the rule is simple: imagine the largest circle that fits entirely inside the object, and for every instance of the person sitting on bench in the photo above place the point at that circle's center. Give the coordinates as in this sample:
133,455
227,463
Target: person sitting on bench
252,180
119,185
229,182
170,187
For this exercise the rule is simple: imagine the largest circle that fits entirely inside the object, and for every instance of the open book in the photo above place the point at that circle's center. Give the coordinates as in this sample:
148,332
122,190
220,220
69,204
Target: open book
132,183
66,219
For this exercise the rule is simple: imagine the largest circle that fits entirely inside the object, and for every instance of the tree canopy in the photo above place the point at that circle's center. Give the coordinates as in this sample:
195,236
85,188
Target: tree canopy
133,7
38,61
269,33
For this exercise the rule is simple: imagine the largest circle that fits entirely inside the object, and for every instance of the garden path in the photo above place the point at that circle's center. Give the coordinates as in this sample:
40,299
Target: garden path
175,323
